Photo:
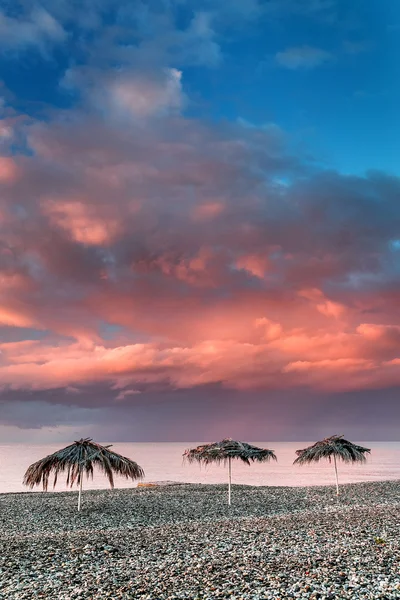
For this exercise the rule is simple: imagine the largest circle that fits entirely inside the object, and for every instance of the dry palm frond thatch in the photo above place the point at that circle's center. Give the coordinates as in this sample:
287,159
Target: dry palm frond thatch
335,447
79,458
225,451
221,451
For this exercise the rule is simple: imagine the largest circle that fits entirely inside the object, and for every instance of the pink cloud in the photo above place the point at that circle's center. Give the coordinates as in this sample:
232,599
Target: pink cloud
16,318
82,222
280,359
256,265
322,304
271,330
376,332
331,309
208,210
143,98
160,256
6,131
8,170
127,93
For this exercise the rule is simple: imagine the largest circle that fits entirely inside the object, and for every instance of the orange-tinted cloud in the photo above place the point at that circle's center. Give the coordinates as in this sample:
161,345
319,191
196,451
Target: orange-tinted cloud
164,259
280,359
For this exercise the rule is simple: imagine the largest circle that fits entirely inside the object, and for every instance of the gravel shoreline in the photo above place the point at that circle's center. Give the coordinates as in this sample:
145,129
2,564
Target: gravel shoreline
184,542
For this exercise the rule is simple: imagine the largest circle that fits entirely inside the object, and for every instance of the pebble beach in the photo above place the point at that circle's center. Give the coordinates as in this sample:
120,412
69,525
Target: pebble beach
184,542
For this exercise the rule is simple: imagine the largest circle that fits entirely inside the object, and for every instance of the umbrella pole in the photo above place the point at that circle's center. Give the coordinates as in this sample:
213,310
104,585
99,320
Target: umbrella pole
337,481
80,491
230,480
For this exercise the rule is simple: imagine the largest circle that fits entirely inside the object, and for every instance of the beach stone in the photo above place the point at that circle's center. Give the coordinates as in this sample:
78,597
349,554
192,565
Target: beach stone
184,542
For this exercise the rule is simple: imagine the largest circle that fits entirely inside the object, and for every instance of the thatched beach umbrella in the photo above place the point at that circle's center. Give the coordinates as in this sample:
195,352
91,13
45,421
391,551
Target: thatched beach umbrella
336,447
224,452
79,458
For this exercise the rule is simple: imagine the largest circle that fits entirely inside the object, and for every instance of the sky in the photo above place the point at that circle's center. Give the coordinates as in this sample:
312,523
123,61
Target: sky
199,220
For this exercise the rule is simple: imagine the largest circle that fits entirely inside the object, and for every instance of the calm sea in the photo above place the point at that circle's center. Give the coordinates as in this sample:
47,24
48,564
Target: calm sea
163,461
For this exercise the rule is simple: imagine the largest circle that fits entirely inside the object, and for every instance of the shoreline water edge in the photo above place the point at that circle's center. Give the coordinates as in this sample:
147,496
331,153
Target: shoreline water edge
184,542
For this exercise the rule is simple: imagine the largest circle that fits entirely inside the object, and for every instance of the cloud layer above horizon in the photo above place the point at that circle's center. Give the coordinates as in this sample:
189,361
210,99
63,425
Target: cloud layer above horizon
150,248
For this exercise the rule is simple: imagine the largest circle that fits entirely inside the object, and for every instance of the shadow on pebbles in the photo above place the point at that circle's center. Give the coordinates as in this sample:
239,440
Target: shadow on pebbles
185,542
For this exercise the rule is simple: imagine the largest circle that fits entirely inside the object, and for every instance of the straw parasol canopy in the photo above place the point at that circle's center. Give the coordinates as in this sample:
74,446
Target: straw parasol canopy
335,447
224,452
79,458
